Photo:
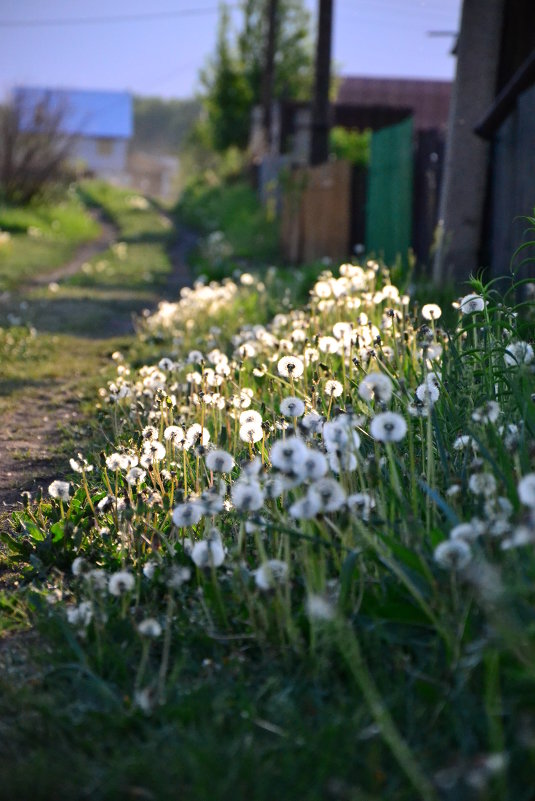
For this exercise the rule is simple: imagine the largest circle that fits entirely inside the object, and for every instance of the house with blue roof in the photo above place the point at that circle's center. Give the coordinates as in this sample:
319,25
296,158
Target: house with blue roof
99,124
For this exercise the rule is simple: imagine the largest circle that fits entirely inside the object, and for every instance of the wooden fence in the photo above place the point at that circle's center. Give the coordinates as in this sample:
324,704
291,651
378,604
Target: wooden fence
390,207
316,219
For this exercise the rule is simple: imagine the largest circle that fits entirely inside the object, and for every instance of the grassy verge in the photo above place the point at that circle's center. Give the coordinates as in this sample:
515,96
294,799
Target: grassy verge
238,234
56,340
38,238
339,605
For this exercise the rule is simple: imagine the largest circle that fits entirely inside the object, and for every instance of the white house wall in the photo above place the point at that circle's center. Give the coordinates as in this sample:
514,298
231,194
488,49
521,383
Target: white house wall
87,150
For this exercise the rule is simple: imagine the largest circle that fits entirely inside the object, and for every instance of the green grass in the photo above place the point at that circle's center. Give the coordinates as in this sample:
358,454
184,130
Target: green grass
250,234
42,236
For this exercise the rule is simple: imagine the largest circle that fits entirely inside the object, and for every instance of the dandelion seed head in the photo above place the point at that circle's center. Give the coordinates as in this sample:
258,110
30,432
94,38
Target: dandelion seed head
80,615
187,514
388,427
149,628
427,393
526,490
453,554
319,608
292,407
175,435
271,573
306,508
330,494
290,367
488,413
376,386
482,484
178,575
208,553
333,388
135,476
431,311
465,531
472,303
59,490
517,353
121,582
219,461
247,496
287,454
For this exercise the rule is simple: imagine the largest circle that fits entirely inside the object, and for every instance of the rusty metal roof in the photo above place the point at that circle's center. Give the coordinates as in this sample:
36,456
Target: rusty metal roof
429,100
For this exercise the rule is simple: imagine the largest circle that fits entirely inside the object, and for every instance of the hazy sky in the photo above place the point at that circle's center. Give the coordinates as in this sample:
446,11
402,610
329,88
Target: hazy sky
162,55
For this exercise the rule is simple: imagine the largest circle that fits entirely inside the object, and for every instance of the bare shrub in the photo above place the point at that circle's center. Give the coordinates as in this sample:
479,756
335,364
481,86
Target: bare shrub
33,148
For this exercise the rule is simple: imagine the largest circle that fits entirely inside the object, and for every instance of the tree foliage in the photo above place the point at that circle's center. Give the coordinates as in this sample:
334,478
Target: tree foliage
232,81
162,126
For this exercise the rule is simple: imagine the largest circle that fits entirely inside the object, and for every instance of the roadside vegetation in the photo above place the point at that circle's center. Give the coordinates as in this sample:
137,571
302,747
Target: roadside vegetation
57,328
301,561
39,237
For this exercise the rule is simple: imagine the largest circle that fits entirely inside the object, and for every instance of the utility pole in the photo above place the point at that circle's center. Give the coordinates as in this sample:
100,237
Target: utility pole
268,77
319,142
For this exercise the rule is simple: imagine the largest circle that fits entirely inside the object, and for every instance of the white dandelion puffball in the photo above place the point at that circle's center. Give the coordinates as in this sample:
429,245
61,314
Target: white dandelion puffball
488,413
251,432
319,608
208,553
482,484
431,311
290,367
453,554
329,493
251,417
187,514
376,386
518,353
121,582
135,475
526,490
388,427
292,407
272,572
333,388
313,466
427,393
219,461
287,454
149,628
59,490
247,496
175,435
305,508
472,303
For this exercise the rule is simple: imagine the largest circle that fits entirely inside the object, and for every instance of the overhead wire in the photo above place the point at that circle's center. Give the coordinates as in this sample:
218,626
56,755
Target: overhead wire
119,18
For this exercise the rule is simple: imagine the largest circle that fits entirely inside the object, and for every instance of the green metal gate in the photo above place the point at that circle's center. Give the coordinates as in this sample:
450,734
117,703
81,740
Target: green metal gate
389,203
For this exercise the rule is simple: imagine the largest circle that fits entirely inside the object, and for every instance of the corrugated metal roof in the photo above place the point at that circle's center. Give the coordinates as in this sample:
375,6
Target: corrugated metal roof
428,100
86,113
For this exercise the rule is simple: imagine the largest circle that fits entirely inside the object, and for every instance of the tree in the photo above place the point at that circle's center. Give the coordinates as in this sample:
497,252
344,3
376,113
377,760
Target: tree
162,126
233,80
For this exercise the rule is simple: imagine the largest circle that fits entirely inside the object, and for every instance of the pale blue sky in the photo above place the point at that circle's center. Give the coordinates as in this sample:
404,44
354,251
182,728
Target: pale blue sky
162,56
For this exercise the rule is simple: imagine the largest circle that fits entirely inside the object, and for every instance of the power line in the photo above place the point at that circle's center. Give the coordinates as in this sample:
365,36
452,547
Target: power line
41,23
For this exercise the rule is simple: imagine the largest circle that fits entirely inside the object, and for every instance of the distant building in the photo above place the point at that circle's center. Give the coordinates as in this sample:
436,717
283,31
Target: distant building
426,101
100,124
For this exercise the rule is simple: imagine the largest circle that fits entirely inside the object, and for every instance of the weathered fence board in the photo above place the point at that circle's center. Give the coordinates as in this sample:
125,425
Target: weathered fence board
316,216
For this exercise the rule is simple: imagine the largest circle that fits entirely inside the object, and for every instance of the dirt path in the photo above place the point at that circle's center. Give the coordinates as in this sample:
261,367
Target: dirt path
106,238
35,419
